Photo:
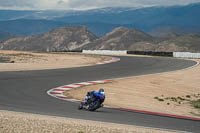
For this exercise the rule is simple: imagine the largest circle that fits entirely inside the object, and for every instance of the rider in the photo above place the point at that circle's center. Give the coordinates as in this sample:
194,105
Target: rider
92,95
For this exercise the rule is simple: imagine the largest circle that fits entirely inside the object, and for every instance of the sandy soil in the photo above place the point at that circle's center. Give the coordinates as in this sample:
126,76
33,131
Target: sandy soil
143,92
13,122
18,60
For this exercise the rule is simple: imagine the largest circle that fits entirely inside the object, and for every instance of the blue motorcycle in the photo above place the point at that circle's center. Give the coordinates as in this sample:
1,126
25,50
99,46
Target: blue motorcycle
93,103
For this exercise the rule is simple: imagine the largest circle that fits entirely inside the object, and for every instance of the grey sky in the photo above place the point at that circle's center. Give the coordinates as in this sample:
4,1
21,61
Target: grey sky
86,4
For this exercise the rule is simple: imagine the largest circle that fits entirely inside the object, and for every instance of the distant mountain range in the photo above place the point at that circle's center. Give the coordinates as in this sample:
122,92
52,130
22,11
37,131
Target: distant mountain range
54,14
121,38
154,20
25,27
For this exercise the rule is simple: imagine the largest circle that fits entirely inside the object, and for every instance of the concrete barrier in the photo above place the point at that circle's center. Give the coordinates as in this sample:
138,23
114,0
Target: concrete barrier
124,52
105,52
186,55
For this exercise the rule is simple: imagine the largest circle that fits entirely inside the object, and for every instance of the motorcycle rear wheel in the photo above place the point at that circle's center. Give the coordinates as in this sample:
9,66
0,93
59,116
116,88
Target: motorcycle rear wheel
80,106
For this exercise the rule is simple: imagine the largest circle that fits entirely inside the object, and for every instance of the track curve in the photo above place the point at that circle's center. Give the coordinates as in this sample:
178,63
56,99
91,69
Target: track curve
25,91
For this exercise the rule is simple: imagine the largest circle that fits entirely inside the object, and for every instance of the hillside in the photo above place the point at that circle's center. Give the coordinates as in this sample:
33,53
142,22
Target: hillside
163,30
130,39
78,38
64,38
119,39
186,43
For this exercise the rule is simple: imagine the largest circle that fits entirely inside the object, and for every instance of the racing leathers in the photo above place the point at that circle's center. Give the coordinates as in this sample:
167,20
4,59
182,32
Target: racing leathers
92,95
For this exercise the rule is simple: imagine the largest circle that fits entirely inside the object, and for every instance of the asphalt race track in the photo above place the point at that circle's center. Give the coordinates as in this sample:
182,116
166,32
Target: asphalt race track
25,91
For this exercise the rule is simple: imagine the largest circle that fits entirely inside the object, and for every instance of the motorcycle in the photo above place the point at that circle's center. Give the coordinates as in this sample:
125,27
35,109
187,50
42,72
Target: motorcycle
94,104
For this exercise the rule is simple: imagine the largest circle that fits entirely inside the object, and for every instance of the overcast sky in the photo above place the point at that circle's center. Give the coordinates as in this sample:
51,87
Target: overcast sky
86,4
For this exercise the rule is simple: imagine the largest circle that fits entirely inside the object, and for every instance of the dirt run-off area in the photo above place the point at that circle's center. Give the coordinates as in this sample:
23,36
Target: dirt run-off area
170,92
14,122
20,60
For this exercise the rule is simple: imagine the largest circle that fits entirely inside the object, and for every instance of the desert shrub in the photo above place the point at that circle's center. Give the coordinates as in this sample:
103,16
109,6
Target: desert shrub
196,103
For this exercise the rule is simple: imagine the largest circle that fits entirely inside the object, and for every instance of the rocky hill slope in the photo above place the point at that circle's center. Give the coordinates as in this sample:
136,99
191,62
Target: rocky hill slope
64,38
78,38
185,43
135,40
119,39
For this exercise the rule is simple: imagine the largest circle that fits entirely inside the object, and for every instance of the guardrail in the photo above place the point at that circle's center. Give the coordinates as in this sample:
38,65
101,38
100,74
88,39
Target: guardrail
167,54
150,53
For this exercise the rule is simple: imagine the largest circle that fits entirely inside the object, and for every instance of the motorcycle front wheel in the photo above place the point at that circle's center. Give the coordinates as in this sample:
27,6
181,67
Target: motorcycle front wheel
94,105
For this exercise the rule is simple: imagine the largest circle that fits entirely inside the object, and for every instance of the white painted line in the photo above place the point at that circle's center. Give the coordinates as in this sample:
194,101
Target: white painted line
60,95
85,83
100,81
55,90
61,88
66,89
72,85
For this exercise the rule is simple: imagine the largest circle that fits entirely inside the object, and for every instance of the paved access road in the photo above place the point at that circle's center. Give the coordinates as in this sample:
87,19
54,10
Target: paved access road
25,91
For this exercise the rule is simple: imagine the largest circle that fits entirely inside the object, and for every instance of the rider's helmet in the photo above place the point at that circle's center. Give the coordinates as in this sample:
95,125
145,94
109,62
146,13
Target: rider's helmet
101,91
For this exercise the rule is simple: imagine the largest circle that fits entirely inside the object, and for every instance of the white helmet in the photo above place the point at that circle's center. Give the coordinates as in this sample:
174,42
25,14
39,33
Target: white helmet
102,91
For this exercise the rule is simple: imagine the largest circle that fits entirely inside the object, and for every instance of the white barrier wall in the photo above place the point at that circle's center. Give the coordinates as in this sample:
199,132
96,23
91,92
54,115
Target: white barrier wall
124,52
186,55
105,52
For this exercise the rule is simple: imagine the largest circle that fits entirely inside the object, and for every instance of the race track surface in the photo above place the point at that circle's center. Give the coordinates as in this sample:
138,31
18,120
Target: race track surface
25,91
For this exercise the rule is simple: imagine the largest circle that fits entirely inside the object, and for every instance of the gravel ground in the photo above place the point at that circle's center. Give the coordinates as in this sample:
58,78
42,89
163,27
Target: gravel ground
3,60
24,60
15,122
